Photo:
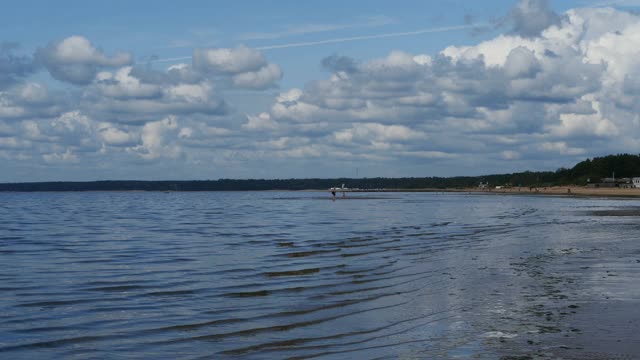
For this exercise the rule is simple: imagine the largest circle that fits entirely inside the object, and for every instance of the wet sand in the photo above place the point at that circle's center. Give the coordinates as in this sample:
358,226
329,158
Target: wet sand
584,301
566,321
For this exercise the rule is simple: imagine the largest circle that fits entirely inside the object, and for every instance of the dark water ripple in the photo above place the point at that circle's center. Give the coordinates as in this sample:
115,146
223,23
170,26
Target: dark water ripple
259,275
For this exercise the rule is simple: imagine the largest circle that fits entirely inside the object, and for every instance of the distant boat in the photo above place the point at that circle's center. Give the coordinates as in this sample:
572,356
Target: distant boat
342,189
339,188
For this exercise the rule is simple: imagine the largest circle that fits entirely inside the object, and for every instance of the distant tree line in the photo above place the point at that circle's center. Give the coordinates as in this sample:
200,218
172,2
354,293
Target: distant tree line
624,165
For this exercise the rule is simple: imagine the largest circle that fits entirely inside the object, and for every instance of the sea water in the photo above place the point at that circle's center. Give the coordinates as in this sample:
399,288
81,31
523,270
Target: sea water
291,274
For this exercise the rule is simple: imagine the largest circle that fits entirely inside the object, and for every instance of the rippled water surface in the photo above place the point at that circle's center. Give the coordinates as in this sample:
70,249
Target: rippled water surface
286,274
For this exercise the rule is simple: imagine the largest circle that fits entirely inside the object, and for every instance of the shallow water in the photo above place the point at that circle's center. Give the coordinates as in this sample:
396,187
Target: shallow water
295,275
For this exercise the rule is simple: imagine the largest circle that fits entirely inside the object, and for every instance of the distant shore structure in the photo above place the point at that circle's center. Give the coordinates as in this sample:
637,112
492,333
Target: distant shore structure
613,182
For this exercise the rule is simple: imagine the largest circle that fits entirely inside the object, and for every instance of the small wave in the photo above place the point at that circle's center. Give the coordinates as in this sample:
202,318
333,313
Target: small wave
308,253
57,343
53,303
118,288
277,328
249,294
172,293
300,272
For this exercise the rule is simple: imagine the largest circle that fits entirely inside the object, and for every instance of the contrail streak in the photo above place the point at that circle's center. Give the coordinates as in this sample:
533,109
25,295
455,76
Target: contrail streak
346,39
367,37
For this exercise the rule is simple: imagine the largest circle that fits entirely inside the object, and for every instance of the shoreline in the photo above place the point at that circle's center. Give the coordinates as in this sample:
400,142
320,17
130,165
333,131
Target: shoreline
566,191
563,191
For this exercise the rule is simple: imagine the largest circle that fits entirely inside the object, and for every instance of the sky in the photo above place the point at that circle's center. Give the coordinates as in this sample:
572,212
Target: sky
166,90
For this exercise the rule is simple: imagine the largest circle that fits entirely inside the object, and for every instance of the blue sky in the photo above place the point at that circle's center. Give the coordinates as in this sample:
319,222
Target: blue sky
253,89
169,29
